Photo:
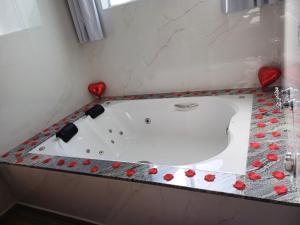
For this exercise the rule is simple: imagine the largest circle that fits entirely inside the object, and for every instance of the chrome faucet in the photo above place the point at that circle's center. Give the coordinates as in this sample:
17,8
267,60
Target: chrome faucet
283,98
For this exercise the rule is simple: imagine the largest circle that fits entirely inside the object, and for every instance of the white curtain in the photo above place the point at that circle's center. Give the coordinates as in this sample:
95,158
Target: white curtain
86,18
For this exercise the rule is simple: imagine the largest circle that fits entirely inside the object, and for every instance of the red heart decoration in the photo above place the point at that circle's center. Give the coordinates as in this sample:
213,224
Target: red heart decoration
97,89
268,75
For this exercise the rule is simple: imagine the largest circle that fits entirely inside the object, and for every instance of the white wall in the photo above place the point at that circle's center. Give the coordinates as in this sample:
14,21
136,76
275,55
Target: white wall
168,45
43,77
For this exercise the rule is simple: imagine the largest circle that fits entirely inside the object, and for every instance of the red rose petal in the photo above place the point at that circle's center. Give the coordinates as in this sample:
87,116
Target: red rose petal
210,177
259,94
274,120
153,171
34,143
239,185
116,165
273,147
60,162
276,134
130,172
275,111
21,149
278,175
272,157
168,177
18,154
280,189
86,162
72,164
35,138
259,117
261,100
94,169
254,176
269,103
254,145
46,130
45,161
261,125
263,110
26,142
260,135
35,157
5,155
19,160
257,163
190,173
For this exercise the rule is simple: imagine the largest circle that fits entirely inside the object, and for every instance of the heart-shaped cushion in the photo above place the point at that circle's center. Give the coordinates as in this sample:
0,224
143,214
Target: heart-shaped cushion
268,75
97,89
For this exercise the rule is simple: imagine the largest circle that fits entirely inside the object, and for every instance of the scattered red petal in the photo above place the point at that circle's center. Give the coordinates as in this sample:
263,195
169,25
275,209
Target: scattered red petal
263,110
261,100
259,117
260,135
21,149
60,162
35,157
130,172
72,164
94,169
278,175
239,185
280,189
254,145
19,160
46,130
274,120
5,155
261,125
259,94
86,162
273,147
168,177
153,171
55,125
18,154
257,163
35,138
34,143
210,177
254,176
46,160
276,134
272,157
190,173
269,103
116,165
275,111
26,142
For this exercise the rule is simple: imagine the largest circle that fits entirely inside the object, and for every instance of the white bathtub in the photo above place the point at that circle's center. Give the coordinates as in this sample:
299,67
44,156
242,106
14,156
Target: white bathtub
210,134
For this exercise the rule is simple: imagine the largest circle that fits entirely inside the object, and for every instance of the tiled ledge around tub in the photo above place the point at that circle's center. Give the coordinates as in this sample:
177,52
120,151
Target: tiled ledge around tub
263,181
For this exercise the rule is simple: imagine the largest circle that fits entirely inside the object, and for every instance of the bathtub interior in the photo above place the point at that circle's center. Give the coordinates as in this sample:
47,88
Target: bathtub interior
154,130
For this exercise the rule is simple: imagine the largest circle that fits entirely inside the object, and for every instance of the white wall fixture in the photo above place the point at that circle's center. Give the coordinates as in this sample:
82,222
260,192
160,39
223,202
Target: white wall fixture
16,15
